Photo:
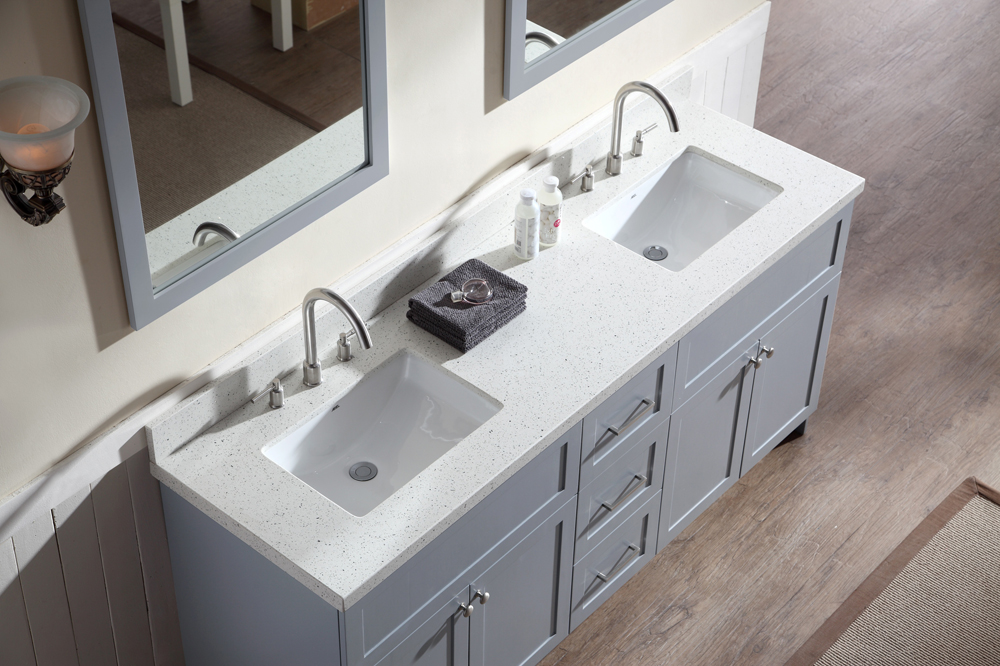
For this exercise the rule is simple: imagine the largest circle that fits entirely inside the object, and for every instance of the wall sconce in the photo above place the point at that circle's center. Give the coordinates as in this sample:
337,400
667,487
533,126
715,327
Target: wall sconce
38,118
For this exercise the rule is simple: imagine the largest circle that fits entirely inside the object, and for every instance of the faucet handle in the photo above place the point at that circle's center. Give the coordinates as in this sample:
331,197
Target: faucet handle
276,392
637,141
344,348
588,179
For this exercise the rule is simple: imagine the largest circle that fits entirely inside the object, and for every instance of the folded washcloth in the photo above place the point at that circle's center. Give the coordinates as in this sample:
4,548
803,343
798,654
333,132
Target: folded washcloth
494,320
460,320
473,338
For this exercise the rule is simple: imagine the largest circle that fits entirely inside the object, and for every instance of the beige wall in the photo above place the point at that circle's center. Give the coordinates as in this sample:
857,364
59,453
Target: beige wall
70,366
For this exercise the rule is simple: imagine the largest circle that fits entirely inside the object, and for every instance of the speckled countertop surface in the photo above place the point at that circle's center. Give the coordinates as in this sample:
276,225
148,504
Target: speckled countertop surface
597,314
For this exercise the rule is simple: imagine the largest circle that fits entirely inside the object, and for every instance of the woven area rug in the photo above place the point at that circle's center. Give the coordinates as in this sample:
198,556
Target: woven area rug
934,601
184,155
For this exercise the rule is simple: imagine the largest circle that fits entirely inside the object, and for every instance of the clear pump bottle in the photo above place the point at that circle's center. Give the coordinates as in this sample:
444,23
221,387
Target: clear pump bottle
526,218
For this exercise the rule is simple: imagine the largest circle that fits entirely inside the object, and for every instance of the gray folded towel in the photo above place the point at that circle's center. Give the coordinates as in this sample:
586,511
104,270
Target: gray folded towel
433,305
489,323
472,339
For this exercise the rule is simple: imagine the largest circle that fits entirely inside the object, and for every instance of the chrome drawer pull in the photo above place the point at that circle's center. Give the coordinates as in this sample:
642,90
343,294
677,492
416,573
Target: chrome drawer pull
623,498
633,419
634,549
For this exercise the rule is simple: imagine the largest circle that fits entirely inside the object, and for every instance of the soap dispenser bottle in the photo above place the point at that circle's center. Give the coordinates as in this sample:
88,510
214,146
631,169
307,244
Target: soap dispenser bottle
550,205
526,217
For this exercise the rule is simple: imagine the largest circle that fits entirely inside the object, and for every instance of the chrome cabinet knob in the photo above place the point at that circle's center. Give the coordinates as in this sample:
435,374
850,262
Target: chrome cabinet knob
755,361
482,596
466,609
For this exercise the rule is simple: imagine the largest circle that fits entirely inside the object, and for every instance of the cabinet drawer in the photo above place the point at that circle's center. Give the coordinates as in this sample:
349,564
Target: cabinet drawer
628,483
626,417
710,347
616,559
383,617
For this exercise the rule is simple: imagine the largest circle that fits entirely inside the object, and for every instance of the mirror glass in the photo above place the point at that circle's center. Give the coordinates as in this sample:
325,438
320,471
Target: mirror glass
258,117
544,36
552,22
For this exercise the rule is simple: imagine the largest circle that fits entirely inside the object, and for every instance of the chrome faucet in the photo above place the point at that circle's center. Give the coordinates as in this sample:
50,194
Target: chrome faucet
312,369
205,229
614,165
540,38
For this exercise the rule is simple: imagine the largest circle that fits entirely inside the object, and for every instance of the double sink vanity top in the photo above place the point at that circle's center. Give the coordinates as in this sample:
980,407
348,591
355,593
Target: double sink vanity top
440,429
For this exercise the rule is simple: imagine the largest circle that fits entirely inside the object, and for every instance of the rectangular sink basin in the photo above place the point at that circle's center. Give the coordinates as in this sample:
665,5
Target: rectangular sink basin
396,421
678,212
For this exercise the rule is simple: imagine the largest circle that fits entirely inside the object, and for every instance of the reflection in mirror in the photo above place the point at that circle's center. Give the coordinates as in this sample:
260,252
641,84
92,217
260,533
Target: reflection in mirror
229,132
551,22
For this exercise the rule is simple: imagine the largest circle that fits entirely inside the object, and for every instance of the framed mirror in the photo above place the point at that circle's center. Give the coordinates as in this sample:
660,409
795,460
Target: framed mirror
225,130
543,36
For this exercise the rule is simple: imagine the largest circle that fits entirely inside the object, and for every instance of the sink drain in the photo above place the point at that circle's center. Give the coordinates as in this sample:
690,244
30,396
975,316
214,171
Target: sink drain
363,471
655,252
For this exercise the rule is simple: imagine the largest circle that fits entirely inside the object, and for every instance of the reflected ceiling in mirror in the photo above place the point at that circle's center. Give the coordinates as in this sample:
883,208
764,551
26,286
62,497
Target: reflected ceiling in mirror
242,131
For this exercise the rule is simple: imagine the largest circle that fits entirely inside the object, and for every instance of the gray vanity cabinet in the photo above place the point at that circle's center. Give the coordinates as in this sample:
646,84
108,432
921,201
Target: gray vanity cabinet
517,544
514,612
733,401
237,607
786,386
560,536
442,640
735,419
705,445
527,611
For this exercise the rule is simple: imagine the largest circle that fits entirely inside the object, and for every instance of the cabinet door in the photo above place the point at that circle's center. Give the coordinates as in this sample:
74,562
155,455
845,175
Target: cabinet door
527,611
386,615
443,640
786,386
705,446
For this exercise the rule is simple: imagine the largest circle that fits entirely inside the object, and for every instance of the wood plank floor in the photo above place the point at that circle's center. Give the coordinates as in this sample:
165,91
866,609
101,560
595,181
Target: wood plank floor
907,95
568,17
319,78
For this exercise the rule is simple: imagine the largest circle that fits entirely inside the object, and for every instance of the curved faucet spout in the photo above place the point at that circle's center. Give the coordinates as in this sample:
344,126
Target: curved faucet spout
312,369
538,37
614,165
206,229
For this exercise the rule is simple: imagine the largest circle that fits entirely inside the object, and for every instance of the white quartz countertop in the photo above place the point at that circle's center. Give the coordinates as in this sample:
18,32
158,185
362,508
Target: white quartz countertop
597,314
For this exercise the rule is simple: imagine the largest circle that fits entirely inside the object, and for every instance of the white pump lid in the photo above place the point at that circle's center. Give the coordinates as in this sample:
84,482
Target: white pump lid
527,196
551,183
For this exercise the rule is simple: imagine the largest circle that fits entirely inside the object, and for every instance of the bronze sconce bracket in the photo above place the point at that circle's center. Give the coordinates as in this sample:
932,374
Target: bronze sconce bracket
44,204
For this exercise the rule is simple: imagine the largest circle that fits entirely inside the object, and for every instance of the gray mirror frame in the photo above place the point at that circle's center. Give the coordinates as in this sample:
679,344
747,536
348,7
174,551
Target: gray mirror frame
145,306
517,78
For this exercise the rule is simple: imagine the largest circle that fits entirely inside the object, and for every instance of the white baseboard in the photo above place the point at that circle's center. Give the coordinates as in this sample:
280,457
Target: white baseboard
725,75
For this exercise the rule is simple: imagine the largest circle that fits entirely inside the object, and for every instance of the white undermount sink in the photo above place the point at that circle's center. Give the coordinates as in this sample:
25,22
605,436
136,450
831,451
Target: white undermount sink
396,421
680,211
